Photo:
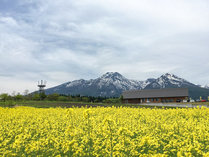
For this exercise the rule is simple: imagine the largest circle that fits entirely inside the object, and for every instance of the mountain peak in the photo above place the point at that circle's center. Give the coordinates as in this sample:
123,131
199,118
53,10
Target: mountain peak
206,86
111,84
111,75
169,75
169,80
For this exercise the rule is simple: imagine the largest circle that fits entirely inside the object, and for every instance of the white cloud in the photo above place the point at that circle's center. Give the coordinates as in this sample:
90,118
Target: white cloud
57,40
9,21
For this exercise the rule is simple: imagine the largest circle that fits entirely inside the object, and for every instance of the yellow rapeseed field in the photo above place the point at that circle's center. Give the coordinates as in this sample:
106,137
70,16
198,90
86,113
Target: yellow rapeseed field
27,131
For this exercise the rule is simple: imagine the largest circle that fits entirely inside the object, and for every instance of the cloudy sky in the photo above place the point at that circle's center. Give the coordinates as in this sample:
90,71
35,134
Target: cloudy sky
63,40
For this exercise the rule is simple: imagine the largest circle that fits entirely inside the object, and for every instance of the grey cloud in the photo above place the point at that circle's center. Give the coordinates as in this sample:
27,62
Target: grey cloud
6,75
64,40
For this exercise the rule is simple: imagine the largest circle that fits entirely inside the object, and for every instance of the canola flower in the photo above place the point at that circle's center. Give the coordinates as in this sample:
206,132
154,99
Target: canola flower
27,131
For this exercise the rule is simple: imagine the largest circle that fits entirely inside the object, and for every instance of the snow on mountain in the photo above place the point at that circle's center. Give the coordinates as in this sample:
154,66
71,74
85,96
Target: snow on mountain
110,78
147,82
112,84
206,86
75,83
117,80
109,84
169,81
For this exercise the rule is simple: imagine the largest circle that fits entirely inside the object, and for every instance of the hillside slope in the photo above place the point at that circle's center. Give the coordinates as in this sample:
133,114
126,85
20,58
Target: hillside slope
112,84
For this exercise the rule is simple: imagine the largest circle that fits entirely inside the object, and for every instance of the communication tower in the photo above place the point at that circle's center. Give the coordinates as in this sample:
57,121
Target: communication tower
41,85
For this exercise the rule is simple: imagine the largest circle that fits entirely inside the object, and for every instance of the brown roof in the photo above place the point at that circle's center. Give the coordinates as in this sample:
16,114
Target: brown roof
156,93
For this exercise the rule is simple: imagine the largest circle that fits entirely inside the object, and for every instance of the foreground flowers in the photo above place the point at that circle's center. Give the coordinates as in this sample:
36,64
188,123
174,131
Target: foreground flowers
26,131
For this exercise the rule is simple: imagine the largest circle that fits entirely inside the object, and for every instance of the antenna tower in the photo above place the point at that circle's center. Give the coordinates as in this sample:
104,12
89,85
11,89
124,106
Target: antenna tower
41,85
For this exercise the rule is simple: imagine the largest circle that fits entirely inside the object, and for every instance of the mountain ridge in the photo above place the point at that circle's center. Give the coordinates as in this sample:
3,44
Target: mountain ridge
112,84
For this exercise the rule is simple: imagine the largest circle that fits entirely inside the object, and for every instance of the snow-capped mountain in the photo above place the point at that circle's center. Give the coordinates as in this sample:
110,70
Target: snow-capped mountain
206,86
144,84
112,84
169,81
117,80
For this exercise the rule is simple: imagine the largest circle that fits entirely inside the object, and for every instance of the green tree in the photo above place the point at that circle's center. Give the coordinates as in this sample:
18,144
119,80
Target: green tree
112,100
36,96
53,97
18,97
62,98
42,95
85,99
121,98
4,96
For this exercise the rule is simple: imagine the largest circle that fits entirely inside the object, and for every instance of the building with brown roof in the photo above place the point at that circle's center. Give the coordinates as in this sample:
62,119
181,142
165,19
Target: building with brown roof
156,95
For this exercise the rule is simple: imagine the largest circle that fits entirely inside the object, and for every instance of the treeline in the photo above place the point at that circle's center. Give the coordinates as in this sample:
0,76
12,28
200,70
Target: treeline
57,97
